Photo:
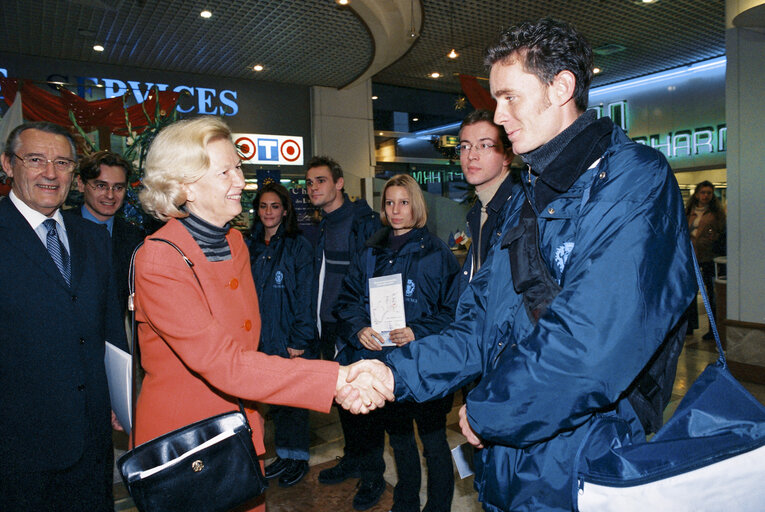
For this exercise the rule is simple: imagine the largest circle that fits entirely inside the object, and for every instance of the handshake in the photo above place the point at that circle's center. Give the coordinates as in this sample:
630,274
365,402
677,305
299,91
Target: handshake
364,386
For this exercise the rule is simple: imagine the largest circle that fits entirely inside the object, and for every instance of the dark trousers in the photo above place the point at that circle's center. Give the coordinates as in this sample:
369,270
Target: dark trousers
364,442
430,418
84,487
291,434
327,340
708,276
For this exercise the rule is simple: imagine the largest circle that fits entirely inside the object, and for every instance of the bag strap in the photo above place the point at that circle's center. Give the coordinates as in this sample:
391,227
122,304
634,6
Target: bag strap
708,307
134,338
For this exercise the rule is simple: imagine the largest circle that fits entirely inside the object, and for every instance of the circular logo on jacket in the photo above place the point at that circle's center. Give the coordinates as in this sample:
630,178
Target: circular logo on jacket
279,277
409,287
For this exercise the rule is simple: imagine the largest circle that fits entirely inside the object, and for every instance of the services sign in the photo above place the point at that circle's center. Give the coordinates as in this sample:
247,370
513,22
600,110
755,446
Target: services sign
260,149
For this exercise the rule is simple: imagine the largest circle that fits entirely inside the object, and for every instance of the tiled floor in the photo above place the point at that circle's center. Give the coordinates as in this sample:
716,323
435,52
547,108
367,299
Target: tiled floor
326,444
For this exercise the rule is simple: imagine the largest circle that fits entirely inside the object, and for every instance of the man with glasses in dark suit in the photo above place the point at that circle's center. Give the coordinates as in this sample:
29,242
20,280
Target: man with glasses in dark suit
59,306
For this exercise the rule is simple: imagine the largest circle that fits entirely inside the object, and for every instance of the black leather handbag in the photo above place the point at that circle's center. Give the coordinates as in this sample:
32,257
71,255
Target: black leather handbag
209,466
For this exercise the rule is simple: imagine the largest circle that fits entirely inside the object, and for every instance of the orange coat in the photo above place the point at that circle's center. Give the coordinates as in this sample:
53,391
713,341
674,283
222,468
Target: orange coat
196,362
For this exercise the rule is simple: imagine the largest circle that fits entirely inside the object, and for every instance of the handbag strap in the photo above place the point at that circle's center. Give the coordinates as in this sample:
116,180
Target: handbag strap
708,307
134,338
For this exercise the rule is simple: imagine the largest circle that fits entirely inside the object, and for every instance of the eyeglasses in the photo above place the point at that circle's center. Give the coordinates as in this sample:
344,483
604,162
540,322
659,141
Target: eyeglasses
39,163
464,148
100,186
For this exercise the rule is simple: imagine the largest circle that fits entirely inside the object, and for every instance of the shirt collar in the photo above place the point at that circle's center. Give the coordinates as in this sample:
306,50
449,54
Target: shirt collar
109,223
33,217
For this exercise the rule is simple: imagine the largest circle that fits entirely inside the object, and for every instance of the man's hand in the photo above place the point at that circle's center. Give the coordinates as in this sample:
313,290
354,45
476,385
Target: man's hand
402,336
364,386
293,352
370,338
116,423
467,430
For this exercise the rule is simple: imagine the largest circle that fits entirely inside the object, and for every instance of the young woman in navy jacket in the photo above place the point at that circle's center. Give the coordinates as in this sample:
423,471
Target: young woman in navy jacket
282,267
429,273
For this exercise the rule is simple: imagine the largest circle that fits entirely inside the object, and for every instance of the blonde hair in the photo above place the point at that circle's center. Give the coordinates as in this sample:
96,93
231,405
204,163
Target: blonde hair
178,156
416,199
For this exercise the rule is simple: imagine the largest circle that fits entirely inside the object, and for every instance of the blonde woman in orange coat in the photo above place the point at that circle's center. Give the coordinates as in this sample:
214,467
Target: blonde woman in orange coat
199,340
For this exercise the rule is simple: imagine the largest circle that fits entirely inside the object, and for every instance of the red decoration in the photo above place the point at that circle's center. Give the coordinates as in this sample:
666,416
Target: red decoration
479,97
40,105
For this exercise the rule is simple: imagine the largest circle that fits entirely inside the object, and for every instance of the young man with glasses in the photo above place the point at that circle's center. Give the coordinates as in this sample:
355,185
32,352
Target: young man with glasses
103,180
485,156
58,305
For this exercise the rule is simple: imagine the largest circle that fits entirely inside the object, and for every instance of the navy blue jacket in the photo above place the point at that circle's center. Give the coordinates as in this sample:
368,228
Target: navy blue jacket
54,396
283,274
365,223
429,273
616,241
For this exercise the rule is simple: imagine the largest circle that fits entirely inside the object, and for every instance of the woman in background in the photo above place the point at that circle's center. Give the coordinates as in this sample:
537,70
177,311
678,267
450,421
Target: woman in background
706,222
428,275
282,266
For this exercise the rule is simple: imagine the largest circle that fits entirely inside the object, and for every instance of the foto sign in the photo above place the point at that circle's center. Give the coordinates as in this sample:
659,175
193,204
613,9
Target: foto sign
256,148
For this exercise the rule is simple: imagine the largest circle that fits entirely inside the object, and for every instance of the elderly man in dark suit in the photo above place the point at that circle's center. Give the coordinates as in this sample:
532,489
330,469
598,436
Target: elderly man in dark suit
103,180
58,307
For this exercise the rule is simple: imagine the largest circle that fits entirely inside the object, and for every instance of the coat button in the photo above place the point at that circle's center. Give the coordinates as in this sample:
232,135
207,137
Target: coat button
81,387
551,210
82,341
233,284
465,272
247,325
602,175
74,298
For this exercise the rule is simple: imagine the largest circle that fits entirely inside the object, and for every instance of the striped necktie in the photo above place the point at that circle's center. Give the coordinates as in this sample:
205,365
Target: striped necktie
57,250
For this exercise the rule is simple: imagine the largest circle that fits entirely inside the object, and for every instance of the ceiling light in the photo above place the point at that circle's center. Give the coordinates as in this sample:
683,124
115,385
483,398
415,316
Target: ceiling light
435,74
98,48
206,14
342,2
596,71
374,97
257,67
380,133
415,119
453,54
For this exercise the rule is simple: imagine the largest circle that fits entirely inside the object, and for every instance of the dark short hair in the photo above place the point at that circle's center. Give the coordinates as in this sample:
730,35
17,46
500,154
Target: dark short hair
90,166
290,221
547,47
334,167
481,115
12,144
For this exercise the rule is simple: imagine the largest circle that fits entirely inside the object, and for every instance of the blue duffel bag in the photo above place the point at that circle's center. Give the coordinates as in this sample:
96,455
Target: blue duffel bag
709,456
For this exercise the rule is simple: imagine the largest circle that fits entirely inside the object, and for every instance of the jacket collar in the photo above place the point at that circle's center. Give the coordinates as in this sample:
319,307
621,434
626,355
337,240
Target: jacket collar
379,240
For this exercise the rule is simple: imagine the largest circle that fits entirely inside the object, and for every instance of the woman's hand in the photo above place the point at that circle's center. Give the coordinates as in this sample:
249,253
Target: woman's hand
370,338
293,352
402,336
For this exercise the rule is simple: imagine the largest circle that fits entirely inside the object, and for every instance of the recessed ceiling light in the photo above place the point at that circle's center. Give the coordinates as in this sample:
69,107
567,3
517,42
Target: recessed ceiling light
342,2
435,74
374,97
206,14
380,133
596,71
415,119
257,67
453,54
98,48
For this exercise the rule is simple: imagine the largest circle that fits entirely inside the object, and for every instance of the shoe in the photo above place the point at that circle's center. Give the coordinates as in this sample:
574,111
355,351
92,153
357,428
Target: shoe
296,470
369,493
708,336
277,467
342,471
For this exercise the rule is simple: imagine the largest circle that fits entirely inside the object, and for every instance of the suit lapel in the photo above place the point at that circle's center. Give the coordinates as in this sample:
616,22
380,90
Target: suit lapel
21,235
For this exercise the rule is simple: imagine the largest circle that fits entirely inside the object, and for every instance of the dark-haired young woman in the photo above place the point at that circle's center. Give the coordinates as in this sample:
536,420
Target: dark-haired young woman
282,267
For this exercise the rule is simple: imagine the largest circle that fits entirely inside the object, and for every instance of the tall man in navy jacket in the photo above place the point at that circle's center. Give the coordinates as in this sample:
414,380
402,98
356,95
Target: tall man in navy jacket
58,305
588,282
